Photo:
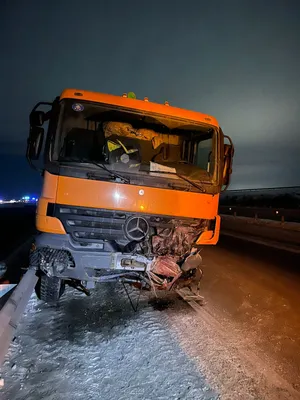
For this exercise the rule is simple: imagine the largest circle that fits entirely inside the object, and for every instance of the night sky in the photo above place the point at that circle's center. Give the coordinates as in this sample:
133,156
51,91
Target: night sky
237,60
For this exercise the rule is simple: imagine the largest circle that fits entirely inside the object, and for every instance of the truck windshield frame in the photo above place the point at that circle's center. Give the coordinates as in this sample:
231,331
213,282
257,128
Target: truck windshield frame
130,141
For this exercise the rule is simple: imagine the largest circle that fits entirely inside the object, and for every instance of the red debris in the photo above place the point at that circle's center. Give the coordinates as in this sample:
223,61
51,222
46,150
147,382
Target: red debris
166,266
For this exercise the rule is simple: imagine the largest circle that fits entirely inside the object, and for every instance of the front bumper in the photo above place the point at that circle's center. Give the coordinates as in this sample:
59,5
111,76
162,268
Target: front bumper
60,256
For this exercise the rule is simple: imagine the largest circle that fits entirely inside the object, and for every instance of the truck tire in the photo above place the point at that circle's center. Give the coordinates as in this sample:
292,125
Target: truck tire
49,289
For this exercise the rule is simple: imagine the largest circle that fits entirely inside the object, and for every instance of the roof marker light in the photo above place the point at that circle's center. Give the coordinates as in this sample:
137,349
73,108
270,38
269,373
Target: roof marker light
167,103
131,95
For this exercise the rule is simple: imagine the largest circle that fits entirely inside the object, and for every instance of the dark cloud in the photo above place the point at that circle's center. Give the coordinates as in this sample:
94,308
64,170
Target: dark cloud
237,60
270,165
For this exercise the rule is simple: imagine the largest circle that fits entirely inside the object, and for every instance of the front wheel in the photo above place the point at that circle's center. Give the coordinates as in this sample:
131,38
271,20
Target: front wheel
49,289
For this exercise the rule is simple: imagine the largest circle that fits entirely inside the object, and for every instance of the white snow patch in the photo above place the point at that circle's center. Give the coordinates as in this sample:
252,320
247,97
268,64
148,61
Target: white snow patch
98,348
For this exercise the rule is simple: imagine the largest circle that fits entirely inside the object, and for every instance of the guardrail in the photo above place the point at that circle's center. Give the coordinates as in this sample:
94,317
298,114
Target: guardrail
277,234
275,214
13,309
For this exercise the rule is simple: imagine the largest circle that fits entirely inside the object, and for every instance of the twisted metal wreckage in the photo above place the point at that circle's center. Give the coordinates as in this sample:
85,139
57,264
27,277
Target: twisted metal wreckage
166,259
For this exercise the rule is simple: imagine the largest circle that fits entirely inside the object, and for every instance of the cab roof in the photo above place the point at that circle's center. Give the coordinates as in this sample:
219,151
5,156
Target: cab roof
140,105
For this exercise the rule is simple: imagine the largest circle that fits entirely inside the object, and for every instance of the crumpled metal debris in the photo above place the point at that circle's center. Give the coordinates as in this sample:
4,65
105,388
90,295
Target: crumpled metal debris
165,273
177,240
165,266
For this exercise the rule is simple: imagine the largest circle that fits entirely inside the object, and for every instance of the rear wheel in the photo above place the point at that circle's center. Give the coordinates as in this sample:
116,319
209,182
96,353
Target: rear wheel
49,289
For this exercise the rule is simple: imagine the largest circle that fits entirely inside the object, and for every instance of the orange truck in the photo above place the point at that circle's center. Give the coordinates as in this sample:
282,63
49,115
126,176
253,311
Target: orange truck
130,192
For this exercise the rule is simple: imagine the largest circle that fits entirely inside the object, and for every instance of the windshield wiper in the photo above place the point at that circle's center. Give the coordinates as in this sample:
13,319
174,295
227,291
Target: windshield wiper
101,166
113,174
196,185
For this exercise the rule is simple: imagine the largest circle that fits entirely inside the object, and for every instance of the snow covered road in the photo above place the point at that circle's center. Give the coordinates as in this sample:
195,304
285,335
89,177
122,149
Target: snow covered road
244,344
98,348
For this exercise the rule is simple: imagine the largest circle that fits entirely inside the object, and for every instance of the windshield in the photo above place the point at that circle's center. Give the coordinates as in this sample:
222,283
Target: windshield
134,142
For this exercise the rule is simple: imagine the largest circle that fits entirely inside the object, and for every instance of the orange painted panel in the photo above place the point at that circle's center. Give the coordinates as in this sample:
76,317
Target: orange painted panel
49,224
210,237
114,196
48,194
44,223
50,185
141,105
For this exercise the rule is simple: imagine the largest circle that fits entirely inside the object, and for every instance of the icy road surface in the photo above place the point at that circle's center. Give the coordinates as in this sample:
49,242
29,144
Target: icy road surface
244,344
98,348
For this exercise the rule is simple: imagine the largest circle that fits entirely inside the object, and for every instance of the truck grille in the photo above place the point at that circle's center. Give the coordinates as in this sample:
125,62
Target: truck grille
87,225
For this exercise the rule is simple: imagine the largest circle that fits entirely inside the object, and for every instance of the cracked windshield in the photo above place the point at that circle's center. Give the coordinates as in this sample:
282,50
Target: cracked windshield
135,142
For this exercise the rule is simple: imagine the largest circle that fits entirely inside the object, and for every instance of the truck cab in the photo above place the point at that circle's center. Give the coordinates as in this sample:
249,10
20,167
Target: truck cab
130,191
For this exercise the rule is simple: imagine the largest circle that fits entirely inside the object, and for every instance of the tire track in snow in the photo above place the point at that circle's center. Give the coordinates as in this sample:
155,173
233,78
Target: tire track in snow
97,347
227,356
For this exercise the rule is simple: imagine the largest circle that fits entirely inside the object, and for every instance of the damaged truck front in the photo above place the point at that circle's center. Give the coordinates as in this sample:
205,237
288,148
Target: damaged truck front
130,192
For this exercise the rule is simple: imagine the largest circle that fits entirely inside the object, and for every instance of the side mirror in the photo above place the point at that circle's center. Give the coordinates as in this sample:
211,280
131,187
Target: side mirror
37,118
35,143
36,132
227,165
